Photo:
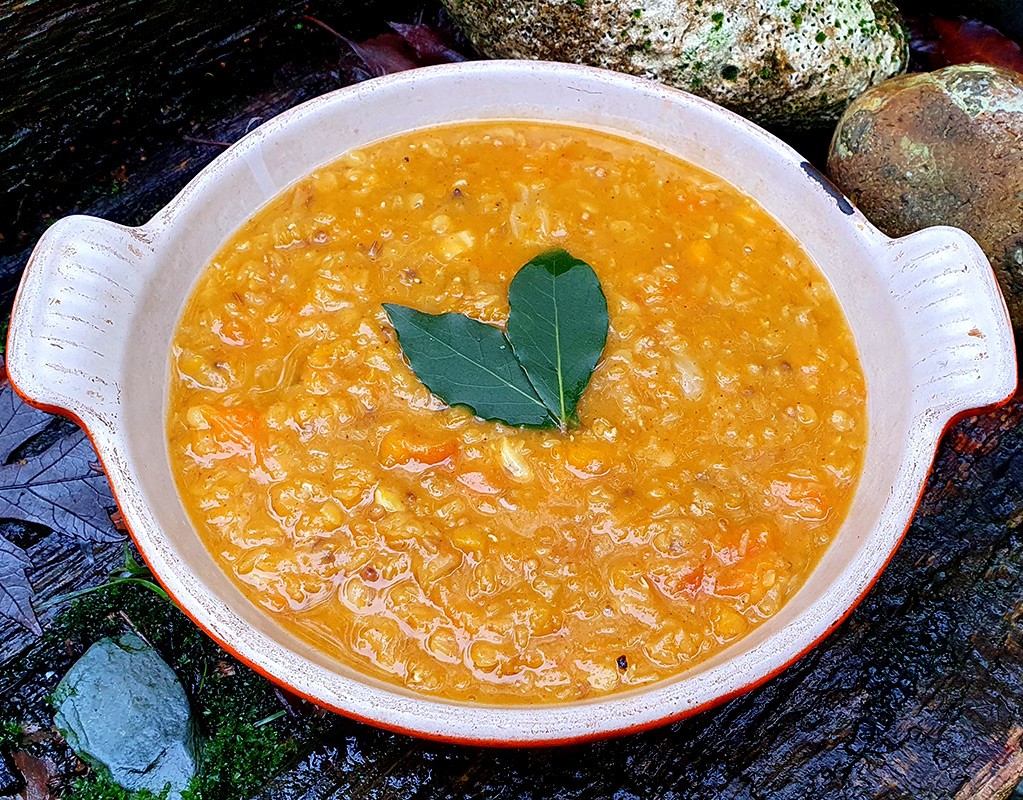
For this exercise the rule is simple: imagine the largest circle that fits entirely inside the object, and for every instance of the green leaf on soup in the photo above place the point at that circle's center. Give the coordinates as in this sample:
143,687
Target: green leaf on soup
558,328
536,374
465,362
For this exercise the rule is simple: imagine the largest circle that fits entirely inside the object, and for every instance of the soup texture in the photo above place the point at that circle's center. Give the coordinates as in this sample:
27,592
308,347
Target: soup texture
720,439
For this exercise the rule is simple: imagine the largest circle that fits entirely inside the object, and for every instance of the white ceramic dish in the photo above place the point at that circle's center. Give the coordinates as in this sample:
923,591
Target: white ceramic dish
99,302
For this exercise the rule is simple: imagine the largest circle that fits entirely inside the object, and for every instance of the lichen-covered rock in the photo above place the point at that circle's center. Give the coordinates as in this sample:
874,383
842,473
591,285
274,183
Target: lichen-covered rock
793,63
122,709
941,148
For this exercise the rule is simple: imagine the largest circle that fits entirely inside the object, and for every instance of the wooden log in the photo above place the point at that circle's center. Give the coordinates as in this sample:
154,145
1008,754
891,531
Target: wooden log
82,80
61,565
92,91
917,696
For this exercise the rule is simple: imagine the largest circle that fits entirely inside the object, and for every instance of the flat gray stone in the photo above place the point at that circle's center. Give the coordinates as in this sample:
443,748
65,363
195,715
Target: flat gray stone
122,709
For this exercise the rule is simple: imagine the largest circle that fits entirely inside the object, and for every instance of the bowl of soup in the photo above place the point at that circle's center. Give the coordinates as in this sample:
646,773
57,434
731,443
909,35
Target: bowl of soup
744,460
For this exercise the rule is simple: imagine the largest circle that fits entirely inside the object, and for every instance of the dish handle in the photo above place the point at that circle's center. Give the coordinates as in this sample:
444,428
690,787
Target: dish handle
72,317
963,354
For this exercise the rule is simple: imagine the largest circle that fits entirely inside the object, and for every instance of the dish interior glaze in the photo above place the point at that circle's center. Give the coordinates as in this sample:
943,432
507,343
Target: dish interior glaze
720,443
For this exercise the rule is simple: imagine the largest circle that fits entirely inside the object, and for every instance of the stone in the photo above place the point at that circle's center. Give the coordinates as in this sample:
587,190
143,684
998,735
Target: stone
941,148
123,710
793,65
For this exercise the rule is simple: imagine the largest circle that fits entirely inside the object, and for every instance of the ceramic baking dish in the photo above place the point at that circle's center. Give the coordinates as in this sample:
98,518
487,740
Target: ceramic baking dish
98,304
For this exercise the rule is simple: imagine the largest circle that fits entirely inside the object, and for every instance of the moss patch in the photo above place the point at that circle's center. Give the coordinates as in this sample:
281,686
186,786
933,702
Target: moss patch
11,734
237,761
96,788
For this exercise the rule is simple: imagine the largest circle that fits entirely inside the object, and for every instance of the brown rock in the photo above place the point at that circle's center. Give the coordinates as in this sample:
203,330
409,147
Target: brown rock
941,148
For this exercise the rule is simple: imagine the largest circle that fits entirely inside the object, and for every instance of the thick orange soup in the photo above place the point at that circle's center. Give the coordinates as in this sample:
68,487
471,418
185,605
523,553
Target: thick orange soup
686,491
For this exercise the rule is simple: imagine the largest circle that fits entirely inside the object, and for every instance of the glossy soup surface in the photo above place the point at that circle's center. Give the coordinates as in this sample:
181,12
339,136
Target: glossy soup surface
720,443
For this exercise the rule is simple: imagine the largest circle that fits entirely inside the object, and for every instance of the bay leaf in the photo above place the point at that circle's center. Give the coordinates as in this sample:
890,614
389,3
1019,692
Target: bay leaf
558,328
465,362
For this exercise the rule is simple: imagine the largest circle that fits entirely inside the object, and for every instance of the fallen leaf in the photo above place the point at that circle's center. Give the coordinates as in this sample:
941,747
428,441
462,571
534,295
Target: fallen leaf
963,41
117,518
19,422
15,590
938,42
384,54
410,46
429,44
40,776
46,479
63,489
60,487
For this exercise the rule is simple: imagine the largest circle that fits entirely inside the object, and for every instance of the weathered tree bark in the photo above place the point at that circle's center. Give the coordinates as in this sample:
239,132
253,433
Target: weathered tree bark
82,81
92,92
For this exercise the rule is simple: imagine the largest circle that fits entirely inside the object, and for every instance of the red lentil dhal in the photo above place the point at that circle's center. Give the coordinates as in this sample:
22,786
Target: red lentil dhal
720,443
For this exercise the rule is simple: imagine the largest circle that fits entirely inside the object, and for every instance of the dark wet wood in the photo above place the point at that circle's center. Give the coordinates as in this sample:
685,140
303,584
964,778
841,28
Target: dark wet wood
918,696
82,80
95,93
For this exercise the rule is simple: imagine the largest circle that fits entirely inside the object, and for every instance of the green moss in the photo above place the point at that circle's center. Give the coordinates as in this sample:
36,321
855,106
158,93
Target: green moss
718,19
238,761
96,788
729,72
642,47
888,17
821,37
11,733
